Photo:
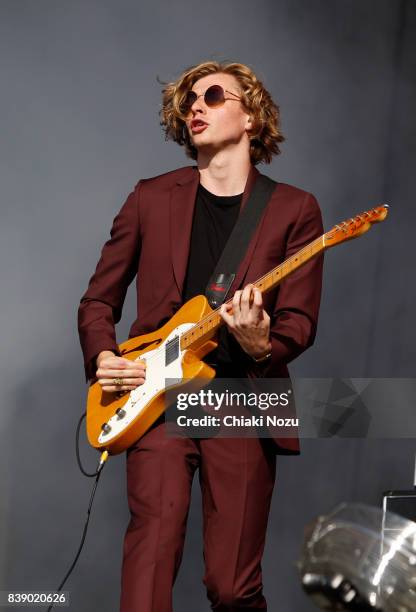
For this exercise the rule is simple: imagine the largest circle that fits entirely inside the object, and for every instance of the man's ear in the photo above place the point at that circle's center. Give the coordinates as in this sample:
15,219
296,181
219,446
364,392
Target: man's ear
249,123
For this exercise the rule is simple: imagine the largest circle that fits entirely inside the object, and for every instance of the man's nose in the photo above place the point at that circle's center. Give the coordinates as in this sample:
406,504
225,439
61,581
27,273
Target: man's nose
199,105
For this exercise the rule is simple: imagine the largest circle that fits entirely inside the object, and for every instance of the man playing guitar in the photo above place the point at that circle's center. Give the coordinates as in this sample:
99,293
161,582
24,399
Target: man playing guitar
170,234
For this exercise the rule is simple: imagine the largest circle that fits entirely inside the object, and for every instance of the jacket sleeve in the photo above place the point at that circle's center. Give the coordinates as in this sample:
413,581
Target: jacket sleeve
295,315
101,305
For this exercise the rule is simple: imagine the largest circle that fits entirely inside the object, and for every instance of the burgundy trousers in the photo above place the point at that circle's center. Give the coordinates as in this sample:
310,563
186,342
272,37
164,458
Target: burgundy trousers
236,476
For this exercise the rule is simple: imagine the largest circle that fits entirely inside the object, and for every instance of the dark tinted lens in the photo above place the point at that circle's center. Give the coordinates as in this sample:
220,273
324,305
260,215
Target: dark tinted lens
188,101
214,95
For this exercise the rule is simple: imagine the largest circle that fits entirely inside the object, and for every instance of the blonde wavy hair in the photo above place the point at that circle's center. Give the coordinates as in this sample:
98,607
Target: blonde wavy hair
265,135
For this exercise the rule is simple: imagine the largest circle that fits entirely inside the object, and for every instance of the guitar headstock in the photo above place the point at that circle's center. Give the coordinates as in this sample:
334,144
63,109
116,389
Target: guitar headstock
354,227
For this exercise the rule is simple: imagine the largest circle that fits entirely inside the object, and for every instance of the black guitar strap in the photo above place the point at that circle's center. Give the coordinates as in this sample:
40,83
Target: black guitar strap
237,244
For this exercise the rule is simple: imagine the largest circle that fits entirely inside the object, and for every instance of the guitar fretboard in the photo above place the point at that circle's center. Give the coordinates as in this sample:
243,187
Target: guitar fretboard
207,326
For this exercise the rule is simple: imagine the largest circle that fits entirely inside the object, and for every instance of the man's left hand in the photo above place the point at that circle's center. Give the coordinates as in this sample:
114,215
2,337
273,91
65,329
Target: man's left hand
247,320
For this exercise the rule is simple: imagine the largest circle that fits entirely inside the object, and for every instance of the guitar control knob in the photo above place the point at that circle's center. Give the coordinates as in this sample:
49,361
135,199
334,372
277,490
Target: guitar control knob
106,428
121,413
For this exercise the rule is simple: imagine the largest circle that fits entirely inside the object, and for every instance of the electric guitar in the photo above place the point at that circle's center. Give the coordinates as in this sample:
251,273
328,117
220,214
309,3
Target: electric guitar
176,351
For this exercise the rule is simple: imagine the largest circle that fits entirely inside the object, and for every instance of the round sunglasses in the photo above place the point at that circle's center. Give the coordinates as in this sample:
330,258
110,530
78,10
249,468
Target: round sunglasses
213,97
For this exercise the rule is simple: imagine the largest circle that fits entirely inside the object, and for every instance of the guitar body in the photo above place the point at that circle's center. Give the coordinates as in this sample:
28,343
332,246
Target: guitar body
127,416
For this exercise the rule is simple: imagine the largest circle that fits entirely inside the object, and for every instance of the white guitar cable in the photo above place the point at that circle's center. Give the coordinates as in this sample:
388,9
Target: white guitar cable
103,458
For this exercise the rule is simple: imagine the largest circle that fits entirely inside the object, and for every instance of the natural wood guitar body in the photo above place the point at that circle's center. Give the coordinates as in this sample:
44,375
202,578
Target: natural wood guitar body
102,406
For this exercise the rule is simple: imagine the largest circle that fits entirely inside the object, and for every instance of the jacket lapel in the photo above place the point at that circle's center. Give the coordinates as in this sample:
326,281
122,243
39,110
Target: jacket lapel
182,204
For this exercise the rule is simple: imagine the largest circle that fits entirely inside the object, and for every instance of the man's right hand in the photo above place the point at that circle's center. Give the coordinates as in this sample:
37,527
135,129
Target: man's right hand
111,369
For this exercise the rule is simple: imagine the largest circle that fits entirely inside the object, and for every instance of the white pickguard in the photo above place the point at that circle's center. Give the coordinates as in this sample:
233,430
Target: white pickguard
156,374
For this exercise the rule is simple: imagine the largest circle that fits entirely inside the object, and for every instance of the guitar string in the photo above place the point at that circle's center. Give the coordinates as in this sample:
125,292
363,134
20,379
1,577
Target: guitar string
160,351
307,248
300,253
201,322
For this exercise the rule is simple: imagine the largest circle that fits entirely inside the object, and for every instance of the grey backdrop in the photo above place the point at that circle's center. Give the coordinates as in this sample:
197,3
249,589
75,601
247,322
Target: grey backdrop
79,127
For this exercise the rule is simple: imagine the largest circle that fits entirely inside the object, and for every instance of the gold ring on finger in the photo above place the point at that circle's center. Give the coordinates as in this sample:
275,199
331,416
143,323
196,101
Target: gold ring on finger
118,382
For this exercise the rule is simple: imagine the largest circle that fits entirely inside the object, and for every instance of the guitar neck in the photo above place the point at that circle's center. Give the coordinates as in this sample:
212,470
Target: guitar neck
207,327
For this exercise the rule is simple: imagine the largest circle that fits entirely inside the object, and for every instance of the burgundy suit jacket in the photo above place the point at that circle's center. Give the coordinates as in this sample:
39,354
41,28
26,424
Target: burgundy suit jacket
150,240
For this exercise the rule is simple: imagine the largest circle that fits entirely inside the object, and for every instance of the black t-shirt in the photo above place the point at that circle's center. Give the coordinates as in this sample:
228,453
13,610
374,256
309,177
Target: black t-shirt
214,219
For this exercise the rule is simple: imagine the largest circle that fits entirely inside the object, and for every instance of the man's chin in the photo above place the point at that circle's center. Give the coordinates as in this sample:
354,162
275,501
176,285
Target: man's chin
205,144
200,139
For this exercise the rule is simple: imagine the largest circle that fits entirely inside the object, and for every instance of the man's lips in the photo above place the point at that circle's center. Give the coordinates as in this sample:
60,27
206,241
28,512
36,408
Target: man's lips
197,126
